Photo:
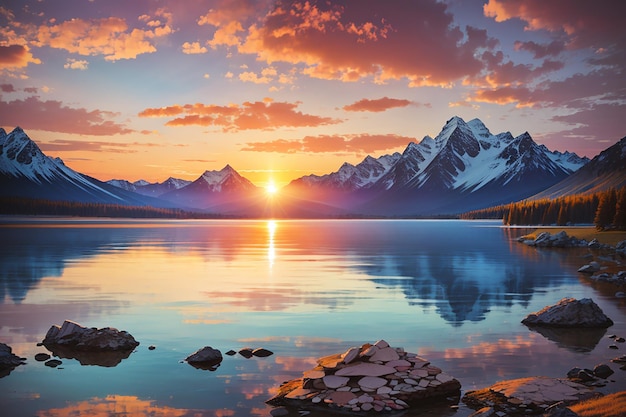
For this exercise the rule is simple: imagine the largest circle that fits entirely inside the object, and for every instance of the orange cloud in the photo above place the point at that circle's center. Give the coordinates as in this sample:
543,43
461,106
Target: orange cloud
363,143
378,105
16,56
108,36
53,116
265,115
194,48
418,43
66,145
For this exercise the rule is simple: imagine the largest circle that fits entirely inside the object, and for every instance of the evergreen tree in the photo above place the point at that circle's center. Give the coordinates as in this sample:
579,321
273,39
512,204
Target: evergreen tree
619,221
606,210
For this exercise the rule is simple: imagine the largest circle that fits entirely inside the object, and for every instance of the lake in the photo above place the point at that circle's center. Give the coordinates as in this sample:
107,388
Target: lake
452,291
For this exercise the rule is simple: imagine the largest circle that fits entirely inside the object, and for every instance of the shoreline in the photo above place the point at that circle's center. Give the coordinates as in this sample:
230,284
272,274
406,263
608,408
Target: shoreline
588,233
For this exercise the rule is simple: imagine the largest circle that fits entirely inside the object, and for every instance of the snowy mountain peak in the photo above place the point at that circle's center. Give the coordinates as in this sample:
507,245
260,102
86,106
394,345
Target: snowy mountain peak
479,129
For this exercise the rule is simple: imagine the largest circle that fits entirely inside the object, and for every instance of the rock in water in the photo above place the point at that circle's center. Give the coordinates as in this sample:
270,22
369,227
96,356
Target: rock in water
8,360
570,312
205,358
75,336
351,382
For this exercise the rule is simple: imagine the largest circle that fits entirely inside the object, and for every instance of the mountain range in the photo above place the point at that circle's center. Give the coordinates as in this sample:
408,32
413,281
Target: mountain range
465,167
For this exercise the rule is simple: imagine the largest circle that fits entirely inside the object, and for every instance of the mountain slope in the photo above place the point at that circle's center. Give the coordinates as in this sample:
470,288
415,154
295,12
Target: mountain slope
212,189
606,170
25,171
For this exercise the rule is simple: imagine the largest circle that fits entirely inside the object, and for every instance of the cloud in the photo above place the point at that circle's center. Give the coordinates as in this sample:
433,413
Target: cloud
356,143
587,24
76,64
378,105
597,121
194,48
109,36
7,88
354,39
53,116
65,145
16,56
539,51
265,115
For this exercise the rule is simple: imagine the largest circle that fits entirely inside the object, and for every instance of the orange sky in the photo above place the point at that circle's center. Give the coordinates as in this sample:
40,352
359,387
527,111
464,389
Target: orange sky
282,89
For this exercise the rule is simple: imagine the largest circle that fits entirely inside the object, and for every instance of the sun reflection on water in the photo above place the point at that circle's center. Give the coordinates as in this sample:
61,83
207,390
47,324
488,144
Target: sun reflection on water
271,250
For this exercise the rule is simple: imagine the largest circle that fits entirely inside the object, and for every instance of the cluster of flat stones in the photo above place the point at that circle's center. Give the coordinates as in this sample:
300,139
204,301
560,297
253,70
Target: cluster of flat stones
570,312
526,396
371,378
72,335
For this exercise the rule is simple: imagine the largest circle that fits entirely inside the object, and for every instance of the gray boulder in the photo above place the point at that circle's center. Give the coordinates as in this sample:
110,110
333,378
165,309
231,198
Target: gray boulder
570,312
73,335
206,358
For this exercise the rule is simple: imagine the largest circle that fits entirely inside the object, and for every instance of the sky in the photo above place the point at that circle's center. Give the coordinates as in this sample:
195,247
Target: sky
150,89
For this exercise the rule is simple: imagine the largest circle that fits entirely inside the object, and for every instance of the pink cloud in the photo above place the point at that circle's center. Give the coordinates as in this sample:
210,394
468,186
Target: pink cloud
367,38
378,105
53,116
588,23
16,56
7,88
597,121
356,143
265,115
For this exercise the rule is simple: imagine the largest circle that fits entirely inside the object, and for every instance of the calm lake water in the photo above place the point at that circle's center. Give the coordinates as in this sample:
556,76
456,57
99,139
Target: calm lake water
452,291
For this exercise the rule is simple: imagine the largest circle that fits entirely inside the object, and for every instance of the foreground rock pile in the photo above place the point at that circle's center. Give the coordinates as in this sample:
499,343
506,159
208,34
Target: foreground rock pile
371,378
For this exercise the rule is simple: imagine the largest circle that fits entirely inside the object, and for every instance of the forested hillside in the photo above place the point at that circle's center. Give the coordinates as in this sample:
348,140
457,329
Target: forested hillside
606,210
27,206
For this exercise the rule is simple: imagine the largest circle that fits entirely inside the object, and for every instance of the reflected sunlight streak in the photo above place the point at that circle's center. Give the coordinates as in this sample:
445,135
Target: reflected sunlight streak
271,250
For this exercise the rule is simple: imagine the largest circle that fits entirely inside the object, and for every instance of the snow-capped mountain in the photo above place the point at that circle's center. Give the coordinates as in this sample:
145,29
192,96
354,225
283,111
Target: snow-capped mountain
155,189
606,170
464,167
212,188
25,171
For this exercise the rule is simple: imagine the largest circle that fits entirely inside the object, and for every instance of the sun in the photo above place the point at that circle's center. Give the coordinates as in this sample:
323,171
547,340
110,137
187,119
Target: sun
271,188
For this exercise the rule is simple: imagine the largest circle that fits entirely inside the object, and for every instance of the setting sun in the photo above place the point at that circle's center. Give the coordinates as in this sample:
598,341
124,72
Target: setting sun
271,188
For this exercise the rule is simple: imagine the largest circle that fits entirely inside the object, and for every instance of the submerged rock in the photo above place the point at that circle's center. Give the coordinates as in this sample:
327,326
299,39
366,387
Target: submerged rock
73,335
371,378
570,312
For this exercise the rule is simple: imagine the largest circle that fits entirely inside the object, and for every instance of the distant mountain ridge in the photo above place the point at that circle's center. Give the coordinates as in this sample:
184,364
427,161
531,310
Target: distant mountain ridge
150,189
464,167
